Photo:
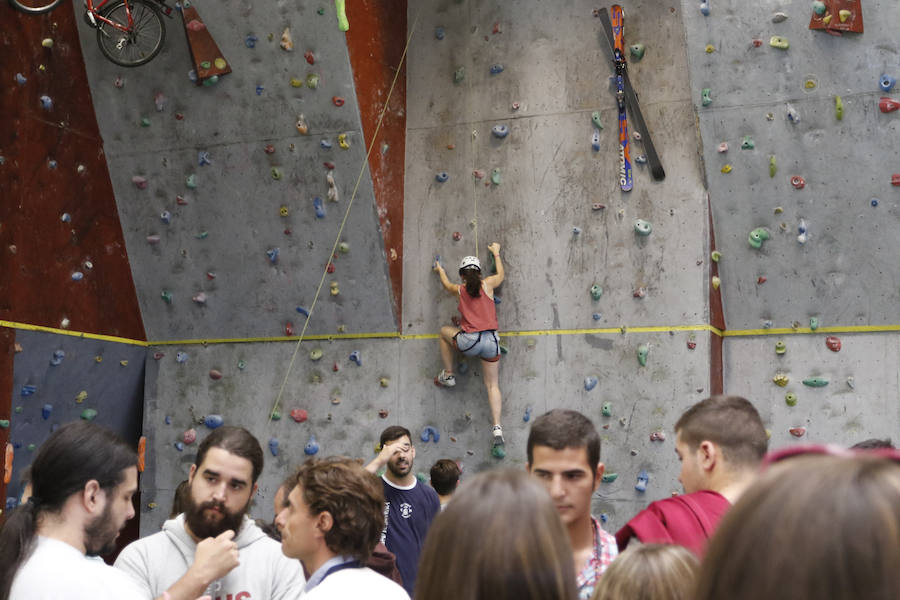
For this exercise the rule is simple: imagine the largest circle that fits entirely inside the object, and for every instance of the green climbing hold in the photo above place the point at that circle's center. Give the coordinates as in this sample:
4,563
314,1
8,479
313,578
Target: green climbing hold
498,451
459,75
609,477
815,382
814,323
642,227
772,166
344,247
422,477
495,176
145,122
504,349
716,256
758,236
595,119
320,11
606,410
340,7
167,296
211,81
780,347
706,96
276,173
642,351
191,181
205,64
776,41
4,423
276,415
312,81
88,414
790,399
818,7
31,447
315,354
747,143
637,51
19,410
596,291
838,108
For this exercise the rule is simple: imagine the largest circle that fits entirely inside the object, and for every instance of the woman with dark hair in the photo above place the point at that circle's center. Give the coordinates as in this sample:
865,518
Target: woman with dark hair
813,527
477,332
500,539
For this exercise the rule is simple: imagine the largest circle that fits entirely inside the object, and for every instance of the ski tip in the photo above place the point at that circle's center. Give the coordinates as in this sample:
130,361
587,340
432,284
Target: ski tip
627,187
658,173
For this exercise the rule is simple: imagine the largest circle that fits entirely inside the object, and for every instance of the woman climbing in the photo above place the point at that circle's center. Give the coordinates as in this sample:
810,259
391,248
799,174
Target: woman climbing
477,332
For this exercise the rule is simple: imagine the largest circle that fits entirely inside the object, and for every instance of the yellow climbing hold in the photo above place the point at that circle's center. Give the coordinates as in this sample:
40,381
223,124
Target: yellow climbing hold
727,169
780,379
844,14
710,48
123,363
296,82
826,19
779,210
838,108
810,84
220,63
343,142
334,288
716,282
81,397
776,41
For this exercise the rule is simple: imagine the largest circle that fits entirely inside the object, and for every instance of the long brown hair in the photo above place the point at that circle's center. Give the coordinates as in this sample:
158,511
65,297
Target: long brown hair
650,572
500,539
812,528
471,277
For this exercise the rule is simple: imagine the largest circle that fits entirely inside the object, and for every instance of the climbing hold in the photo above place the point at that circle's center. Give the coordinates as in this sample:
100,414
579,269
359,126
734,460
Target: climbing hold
356,358
815,381
723,147
609,477
272,253
302,125
596,316
81,397
139,182
716,282
286,42
692,342
575,231
895,179
779,17
4,423
797,431
606,409
887,105
500,131
250,41
181,357
88,414
430,433
191,181
710,48
814,323
595,140
658,436
843,15
642,227
457,236
526,417
459,74
780,379
343,142
706,96
58,356
642,351
874,202
179,446
384,382
337,100
595,119
315,354
838,108
498,451
790,399
758,236
643,479
46,102
165,216
442,177
166,295
496,69
802,231
747,143
886,83
637,51
776,41
773,168
213,421
46,410
590,382
340,8
818,7
596,291
189,436
495,176
641,159
833,343
319,207
727,169
273,446
311,447
798,182
704,8
21,79
780,347
439,33
792,114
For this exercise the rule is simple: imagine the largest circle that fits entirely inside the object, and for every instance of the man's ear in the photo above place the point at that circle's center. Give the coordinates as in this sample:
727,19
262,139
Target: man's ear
324,522
709,455
255,488
191,474
598,476
91,496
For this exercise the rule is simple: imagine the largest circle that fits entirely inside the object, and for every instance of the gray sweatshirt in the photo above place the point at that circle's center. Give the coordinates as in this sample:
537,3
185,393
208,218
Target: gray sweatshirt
159,560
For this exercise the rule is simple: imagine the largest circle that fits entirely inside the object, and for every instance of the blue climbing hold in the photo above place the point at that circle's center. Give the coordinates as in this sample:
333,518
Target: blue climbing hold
46,102
355,357
595,141
596,316
887,83
311,447
20,79
51,164
259,90
165,216
642,480
203,158
500,131
181,357
497,300
527,416
874,202
430,432
273,446
250,41
168,420
604,517
179,446
325,144
462,367
590,382
439,33
58,356
213,421
28,390
302,311
11,503
319,207
46,410
496,69
442,177
704,9
77,276
272,253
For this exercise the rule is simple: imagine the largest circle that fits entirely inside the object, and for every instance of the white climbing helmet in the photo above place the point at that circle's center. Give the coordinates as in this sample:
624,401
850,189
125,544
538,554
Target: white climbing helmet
469,262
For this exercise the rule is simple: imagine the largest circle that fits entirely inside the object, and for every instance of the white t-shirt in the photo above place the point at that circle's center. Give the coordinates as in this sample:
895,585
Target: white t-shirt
358,584
56,570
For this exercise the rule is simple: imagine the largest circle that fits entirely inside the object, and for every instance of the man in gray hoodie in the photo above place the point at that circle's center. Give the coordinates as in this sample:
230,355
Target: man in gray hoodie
213,547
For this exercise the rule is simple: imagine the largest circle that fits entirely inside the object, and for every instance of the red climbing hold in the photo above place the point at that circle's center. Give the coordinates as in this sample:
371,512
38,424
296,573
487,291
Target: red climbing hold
761,280
179,117
310,57
299,415
270,149
330,268
457,236
895,179
335,367
383,413
328,165
289,329
691,344
195,25
215,374
888,105
797,431
798,182
157,355
180,201
496,28
833,343
337,100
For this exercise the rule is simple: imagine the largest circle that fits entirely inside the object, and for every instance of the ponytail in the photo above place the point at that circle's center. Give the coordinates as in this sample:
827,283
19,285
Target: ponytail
472,279
16,540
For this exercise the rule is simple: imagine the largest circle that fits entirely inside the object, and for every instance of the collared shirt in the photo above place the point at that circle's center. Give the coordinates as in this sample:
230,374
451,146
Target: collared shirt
605,551
336,561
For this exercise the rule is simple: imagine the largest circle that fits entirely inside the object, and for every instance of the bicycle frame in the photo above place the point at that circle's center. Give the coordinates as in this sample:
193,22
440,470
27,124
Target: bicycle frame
95,14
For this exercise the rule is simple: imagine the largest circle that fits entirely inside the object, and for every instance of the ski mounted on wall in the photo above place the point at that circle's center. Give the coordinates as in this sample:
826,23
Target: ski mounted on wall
615,34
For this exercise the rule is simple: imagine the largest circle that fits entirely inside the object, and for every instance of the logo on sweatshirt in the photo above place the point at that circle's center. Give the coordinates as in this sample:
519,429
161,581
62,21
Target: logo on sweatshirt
406,510
238,596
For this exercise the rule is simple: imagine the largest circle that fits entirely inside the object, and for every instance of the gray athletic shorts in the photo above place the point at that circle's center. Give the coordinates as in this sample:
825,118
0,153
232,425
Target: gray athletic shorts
484,344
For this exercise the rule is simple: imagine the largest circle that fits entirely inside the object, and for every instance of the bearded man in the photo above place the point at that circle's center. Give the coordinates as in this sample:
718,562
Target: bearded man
213,548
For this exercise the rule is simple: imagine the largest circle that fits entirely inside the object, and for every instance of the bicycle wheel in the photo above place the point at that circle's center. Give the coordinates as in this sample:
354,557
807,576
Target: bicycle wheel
135,45
34,7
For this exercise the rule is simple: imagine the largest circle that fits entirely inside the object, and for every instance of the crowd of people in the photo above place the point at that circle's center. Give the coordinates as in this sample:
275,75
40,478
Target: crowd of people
807,522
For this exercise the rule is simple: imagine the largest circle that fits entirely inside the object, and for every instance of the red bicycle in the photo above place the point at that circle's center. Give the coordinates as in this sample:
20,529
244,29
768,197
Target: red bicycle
129,32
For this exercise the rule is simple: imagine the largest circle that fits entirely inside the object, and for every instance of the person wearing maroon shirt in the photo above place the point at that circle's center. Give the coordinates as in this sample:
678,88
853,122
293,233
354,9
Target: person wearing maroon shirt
477,332
720,442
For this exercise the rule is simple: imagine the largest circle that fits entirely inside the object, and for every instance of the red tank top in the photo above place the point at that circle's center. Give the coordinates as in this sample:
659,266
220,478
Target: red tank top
478,314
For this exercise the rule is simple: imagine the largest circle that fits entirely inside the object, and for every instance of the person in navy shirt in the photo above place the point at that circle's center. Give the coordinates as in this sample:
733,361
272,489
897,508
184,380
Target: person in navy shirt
409,506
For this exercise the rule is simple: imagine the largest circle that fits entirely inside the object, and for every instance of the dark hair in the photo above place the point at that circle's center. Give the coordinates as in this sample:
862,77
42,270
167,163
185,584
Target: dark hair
730,422
471,277
562,428
444,476
72,456
394,432
354,498
811,528
873,444
181,499
234,440
499,539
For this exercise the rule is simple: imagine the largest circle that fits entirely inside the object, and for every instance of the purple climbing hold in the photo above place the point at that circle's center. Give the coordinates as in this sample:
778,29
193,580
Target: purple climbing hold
312,446
46,410
319,207
355,357
500,131
165,216
273,446
58,356
213,421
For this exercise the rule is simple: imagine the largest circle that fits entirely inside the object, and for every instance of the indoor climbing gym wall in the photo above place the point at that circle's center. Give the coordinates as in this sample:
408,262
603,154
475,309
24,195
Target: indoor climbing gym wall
257,210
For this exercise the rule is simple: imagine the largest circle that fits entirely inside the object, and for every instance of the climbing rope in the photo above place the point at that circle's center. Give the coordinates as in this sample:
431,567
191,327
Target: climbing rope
337,238
472,140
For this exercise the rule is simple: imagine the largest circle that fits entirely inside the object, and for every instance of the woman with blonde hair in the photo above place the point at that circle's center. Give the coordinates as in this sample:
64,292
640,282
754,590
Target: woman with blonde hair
500,539
821,524
650,572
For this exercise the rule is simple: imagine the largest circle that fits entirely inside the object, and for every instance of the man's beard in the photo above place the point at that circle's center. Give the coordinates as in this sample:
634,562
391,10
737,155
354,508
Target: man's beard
100,534
398,470
203,528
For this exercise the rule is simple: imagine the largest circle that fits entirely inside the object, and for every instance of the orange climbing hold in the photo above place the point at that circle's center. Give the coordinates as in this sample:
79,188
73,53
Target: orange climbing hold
888,104
142,453
338,101
8,463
